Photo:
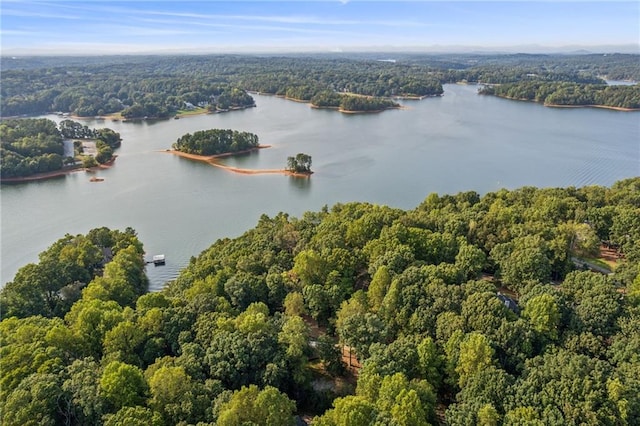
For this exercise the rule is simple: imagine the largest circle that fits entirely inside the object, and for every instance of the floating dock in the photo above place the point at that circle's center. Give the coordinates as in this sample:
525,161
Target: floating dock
158,260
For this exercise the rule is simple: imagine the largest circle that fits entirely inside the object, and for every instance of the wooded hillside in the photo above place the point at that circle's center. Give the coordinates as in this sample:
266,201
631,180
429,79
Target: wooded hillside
465,310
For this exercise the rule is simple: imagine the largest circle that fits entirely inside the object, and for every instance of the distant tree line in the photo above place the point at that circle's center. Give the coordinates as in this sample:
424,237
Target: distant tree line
566,93
139,87
216,141
134,92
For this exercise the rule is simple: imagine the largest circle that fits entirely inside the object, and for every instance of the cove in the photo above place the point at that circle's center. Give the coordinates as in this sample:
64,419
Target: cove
458,142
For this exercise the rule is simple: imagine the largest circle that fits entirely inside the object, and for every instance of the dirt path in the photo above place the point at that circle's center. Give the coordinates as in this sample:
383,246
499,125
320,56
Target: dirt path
214,160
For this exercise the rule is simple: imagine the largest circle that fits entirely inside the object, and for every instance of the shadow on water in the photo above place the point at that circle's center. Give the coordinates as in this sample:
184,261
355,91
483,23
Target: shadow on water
300,184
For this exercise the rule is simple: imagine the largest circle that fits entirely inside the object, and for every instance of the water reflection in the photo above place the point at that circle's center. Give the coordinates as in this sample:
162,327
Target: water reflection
300,184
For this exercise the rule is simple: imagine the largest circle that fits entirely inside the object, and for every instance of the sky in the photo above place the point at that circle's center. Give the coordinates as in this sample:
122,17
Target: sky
127,27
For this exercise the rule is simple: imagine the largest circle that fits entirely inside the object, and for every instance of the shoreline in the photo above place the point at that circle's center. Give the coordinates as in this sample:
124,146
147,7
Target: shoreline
614,108
344,111
415,98
374,111
593,106
213,161
178,115
59,173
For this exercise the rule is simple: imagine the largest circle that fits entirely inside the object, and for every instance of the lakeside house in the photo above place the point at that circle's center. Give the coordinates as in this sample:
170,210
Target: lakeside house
511,304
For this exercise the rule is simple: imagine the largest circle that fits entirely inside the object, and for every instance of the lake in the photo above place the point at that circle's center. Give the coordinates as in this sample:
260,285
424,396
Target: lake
460,141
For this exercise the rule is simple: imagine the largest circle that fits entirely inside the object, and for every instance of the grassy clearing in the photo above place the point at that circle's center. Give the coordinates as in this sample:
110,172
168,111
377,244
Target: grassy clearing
114,116
188,112
603,263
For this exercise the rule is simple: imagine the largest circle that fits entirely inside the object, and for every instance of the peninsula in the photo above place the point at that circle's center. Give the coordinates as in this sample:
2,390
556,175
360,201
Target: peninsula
209,146
37,148
569,94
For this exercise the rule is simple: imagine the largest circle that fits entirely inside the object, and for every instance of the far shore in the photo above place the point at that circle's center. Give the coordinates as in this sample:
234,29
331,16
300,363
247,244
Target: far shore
593,106
416,97
184,114
214,161
569,106
344,111
58,173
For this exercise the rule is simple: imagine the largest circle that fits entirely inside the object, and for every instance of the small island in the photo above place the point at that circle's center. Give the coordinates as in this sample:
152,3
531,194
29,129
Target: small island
209,146
217,142
351,103
36,148
301,163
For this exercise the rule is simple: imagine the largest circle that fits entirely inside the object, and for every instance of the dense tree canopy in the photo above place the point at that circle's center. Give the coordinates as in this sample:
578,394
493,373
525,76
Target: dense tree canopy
216,141
301,163
252,330
159,86
35,145
30,146
569,93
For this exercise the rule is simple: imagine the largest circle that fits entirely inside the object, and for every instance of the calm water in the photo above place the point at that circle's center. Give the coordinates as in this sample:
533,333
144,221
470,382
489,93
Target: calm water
458,142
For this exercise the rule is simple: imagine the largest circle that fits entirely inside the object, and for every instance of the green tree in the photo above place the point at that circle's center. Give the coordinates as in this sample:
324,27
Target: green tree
470,260
378,288
34,402
357,327
407,409
134,416
476,354
301,163
250,405
578,384
123,385
430,361
488,416
544,315
172,395
83,387
349,411
294,304
331,355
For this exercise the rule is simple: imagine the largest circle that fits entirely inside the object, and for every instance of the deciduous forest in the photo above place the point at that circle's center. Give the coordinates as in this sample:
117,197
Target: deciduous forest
216,141
515,307
137,87
35,145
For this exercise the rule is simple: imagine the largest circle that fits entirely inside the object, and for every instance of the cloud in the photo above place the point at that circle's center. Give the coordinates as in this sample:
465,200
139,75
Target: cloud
281,19
38,15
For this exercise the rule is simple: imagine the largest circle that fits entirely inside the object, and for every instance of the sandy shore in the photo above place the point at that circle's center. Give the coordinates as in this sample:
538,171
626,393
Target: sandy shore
344,111
375,111
593,106
416,98
568,106
214,161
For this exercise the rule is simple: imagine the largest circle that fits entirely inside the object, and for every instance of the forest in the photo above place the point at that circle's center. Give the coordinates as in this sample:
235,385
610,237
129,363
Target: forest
161,86
351,103
31,146
567,93
467,310
215,142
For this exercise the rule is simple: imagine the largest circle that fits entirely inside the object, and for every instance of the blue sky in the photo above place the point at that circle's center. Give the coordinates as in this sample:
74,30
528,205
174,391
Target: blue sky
98,27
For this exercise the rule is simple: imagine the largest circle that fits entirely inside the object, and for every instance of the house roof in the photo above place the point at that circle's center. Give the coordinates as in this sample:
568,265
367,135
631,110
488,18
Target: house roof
511,304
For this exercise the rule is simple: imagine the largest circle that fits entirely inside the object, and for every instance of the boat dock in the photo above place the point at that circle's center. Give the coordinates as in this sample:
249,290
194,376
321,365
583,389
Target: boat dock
157,260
